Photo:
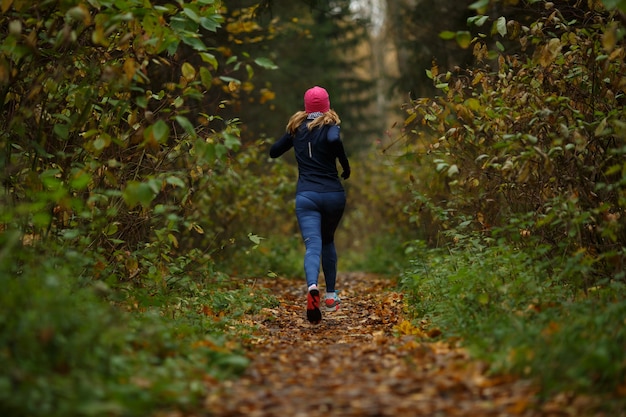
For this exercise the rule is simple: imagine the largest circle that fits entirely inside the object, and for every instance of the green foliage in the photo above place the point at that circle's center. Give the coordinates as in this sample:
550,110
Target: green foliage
506,309
275,255
535,148
520,177
382,253
613,4
103,140
420,34
68,349
112,135
375,226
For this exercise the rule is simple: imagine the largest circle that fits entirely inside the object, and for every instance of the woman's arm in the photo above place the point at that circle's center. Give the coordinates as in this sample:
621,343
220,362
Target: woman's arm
281,146
334,138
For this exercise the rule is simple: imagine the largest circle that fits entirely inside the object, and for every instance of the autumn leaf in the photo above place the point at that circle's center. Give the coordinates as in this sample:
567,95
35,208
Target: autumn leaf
407,328
358,366
188,71
609,37
130,66
5,5
464,39
549,52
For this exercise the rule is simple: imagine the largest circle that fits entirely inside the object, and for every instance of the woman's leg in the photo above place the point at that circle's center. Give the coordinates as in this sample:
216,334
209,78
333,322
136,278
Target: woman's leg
310,222
334,205
329,265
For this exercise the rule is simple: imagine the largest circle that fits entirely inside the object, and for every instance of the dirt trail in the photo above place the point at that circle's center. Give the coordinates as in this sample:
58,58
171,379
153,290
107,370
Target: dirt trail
354,363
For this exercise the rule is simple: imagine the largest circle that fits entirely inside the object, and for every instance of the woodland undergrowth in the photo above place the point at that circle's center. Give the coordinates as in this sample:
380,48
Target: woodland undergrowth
520,172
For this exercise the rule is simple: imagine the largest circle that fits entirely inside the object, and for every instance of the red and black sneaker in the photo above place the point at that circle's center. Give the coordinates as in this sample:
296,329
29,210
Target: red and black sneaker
313,312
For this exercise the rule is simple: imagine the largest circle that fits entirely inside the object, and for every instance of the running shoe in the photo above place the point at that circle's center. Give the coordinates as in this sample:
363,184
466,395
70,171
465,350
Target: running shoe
313,312
332,304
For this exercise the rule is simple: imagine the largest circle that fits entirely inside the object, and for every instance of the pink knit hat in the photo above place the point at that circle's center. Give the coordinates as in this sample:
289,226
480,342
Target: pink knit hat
316,100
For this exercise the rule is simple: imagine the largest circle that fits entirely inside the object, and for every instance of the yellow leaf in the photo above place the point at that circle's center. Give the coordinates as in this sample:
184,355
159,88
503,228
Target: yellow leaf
409,119
407,328
434,70
601,128
173,239
478,78
617,54
129,68
198,228
473,104
247,86
266,95
189,72
132,118
550,51
98,37
5,5
233,86
609,37
524,173
464,39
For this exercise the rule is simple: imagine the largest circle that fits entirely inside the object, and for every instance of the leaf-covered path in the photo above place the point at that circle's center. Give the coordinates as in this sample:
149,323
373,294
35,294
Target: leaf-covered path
358,363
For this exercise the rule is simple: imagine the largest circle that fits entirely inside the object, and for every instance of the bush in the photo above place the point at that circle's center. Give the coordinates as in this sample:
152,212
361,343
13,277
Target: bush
73,346
523,175
534,136
501,303
383,254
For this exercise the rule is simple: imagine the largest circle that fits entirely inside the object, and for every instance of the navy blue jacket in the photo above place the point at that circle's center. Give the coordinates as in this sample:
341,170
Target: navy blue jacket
316,153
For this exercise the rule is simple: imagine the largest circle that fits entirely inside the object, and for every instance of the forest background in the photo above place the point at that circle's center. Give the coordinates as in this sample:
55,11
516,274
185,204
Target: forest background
138,203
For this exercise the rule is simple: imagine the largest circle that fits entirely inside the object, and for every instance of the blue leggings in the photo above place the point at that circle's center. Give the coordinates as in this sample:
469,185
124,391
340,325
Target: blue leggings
318,216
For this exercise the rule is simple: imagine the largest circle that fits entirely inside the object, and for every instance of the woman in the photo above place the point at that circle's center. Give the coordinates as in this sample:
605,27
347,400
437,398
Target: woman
320,196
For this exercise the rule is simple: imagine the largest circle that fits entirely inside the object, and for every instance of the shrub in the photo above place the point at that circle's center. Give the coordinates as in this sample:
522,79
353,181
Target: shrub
503,305
70,345
535,146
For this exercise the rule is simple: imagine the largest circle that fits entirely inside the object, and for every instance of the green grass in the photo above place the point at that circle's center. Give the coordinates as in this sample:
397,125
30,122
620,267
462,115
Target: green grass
508,309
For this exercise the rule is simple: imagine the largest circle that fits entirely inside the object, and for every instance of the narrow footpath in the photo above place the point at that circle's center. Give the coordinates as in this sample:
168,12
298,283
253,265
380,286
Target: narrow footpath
365,360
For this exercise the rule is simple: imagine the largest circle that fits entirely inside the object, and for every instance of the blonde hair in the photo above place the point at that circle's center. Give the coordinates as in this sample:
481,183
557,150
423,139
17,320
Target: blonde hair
328,118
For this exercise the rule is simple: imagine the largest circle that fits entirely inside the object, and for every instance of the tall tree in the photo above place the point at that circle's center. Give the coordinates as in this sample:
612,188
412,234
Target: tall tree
414,27
314,42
